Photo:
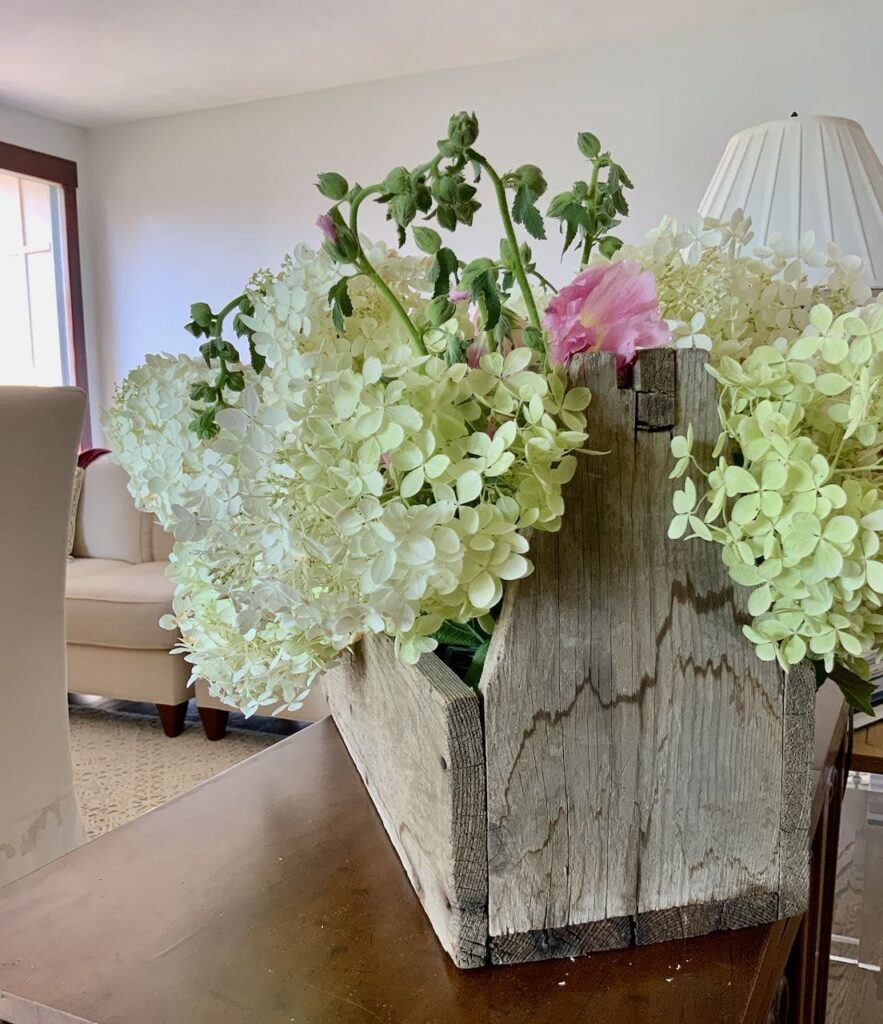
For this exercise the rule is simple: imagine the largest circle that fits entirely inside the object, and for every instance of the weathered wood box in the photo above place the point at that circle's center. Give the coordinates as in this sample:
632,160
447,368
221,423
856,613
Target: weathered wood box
630,772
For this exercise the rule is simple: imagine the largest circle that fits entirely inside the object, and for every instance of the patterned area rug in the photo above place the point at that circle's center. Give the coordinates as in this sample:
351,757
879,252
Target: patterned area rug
124,765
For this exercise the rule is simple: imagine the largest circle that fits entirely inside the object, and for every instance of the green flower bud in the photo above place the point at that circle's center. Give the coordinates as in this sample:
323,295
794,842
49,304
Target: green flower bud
446,189
439,311
427,240
463,129
332,185
398,181
532,176
345,247
589,145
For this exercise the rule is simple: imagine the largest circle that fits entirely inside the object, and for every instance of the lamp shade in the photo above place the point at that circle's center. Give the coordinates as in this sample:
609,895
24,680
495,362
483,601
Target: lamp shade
800,174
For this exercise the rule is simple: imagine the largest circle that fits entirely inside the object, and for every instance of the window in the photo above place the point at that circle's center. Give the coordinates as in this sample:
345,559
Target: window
40,290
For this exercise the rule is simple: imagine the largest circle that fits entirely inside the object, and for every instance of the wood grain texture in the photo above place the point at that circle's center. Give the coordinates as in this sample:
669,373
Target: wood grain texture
272,892
798,726
634,742
414,734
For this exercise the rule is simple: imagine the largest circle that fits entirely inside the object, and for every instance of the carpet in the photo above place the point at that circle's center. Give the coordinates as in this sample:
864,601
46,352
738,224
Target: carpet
124,765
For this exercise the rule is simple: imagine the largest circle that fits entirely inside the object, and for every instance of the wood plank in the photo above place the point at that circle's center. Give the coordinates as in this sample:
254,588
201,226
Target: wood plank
798,728
640,771
414,734
562,780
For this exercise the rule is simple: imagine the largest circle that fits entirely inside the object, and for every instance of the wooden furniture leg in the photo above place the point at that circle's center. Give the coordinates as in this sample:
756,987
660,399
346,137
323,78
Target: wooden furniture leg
172,717
214,721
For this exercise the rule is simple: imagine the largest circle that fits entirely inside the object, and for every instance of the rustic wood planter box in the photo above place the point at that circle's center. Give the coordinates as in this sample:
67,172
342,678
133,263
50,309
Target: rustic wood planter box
630,771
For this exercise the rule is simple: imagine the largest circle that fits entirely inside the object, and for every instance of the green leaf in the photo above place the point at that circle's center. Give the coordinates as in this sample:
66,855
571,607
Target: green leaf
609,245
332,185
533,338
427,239
202,391
473,676
209,351
856,690
524,212
201,314
442,270
457,634
485,294
340,302
258,361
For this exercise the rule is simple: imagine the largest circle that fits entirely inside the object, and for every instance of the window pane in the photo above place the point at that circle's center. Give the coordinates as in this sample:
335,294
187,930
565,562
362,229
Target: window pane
36,344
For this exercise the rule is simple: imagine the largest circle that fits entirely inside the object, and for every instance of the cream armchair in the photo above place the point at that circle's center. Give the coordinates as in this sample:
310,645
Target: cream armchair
39,815
117,591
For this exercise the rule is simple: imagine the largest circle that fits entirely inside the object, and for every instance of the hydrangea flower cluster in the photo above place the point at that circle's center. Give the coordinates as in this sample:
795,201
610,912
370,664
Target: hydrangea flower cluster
718,296
354,486
796,497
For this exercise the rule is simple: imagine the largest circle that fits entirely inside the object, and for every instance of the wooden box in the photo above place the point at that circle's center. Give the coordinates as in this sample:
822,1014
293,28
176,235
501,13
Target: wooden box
630,772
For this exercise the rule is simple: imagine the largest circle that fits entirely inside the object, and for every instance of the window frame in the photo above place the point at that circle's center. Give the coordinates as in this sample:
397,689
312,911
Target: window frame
61,172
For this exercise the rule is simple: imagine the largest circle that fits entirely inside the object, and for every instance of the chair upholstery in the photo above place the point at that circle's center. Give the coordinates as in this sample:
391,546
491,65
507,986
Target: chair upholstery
117,591
115,604
39,815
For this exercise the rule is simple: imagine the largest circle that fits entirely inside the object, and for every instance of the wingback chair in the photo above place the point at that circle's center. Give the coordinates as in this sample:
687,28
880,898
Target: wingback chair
39,815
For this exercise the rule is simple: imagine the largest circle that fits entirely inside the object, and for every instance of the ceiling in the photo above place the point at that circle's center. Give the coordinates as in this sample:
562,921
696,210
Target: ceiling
95,62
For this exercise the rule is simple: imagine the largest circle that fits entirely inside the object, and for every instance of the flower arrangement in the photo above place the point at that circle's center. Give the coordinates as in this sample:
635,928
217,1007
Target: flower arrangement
372,467
402,420
795,499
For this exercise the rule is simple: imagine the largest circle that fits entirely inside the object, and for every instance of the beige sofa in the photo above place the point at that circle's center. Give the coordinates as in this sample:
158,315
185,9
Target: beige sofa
117,591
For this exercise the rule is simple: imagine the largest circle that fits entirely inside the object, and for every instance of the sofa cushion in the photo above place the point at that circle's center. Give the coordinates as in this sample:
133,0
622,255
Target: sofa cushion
111,603
108,524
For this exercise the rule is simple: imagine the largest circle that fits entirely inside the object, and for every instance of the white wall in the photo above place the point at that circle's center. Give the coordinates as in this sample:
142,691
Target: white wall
71,143
189,205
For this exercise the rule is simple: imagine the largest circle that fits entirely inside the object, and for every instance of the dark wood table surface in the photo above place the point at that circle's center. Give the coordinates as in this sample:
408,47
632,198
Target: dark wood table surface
271,895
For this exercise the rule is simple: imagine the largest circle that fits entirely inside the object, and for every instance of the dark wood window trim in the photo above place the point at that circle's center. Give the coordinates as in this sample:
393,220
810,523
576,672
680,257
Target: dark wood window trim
18,160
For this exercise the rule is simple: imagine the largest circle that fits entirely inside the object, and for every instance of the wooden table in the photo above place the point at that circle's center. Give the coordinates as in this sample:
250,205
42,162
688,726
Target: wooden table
271,895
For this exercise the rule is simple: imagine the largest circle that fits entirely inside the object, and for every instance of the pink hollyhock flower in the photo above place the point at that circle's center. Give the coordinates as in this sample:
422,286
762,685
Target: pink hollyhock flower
612,307
458,295
326,225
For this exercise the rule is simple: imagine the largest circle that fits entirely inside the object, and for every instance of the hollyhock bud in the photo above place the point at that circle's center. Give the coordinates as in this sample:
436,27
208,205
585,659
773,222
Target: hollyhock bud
326,225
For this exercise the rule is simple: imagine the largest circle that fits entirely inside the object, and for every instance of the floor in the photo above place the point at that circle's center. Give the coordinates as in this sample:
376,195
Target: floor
125,766
855,992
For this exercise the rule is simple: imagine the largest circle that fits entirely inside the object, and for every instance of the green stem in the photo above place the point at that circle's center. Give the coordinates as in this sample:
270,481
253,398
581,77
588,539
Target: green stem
518,266
220,317
368,270
590,240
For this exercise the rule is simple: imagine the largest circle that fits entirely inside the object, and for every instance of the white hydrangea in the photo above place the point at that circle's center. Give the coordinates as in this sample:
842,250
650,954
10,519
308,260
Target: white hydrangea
354,487
718,296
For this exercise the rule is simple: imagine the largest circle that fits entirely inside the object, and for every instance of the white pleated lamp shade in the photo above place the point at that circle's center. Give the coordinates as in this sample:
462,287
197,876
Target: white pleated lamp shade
800,174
